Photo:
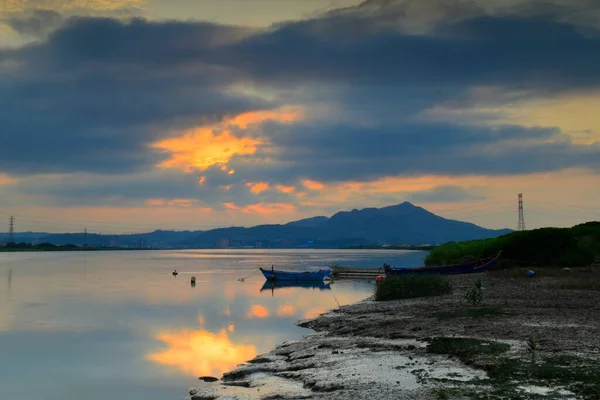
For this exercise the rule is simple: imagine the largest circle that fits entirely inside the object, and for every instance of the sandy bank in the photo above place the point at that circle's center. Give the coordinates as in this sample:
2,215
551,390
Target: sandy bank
416,349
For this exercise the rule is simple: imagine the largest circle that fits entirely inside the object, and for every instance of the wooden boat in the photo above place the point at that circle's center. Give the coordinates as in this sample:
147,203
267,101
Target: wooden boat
449,269
278,275
273,285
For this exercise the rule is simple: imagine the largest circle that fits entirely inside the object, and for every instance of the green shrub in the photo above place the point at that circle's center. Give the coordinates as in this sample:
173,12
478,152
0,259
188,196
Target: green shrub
475,295
403,287
575,246
532,349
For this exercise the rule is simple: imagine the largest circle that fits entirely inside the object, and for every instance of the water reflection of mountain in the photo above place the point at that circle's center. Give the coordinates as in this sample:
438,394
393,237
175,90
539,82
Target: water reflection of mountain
273,285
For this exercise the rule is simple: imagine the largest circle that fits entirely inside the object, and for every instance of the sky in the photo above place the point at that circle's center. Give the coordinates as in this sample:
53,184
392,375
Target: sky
123,116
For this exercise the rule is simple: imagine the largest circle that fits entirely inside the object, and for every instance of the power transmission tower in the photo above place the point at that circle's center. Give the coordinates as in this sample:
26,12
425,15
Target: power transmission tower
521,224
11,231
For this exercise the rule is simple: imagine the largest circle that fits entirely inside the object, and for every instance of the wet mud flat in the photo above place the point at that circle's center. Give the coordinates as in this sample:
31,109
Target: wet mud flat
530,338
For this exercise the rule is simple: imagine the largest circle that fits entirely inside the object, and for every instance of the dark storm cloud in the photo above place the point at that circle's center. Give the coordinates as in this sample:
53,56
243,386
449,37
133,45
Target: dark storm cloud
344,152
36,23
107,41
98,91
510,51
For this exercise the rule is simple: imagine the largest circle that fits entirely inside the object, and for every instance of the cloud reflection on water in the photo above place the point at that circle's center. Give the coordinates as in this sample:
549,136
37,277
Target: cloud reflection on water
200,352
258,311
142,328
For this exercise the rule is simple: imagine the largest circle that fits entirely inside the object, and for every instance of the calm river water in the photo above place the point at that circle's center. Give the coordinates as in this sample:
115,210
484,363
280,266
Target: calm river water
118,325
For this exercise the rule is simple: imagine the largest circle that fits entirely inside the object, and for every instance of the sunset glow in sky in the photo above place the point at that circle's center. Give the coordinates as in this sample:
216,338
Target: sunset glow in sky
134,115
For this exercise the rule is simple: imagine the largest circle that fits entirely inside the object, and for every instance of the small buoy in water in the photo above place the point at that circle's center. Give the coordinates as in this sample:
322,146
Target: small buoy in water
193,279
175,273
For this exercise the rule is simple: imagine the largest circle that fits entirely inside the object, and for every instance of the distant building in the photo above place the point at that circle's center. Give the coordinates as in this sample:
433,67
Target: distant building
224,243
258,245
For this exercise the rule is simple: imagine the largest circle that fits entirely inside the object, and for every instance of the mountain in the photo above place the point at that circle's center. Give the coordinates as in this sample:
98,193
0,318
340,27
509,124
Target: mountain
400,224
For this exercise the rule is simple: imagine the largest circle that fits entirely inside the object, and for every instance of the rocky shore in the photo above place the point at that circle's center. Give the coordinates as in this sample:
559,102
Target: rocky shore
529,338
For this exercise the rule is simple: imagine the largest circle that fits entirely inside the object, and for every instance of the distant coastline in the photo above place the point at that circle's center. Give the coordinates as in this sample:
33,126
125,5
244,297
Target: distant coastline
25,247
424,247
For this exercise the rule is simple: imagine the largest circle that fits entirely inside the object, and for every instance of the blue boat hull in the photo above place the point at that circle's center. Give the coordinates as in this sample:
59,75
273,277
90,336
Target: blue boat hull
452,269
278,275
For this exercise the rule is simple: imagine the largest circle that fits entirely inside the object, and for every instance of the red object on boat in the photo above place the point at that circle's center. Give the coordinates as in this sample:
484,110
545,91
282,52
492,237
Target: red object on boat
379,278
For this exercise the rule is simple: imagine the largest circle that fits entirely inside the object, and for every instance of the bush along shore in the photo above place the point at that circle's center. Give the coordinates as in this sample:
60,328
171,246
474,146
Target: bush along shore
576,246
494,335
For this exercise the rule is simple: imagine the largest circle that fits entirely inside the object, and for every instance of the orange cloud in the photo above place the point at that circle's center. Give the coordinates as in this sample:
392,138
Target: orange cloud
6,180
201,180
286,311
231,327
313,185
199,352
203,148
179,203
258,187
258,311
91,6
286,189
263,208
231,206
283,115
215,144
271,208
155,202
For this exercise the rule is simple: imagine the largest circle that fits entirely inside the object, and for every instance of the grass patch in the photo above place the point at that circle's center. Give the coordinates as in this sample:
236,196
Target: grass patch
489,312
566,285
579,376
554,371
584,273
466,349
447,393
409,286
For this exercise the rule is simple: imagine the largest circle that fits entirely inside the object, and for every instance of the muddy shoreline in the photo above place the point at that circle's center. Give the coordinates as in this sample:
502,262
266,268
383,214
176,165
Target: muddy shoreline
441,347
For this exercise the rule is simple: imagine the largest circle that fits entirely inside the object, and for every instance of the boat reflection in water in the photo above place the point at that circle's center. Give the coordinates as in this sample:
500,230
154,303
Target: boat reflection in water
272,285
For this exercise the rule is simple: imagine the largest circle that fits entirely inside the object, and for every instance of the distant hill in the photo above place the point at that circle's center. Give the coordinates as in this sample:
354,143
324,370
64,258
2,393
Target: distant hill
400,224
